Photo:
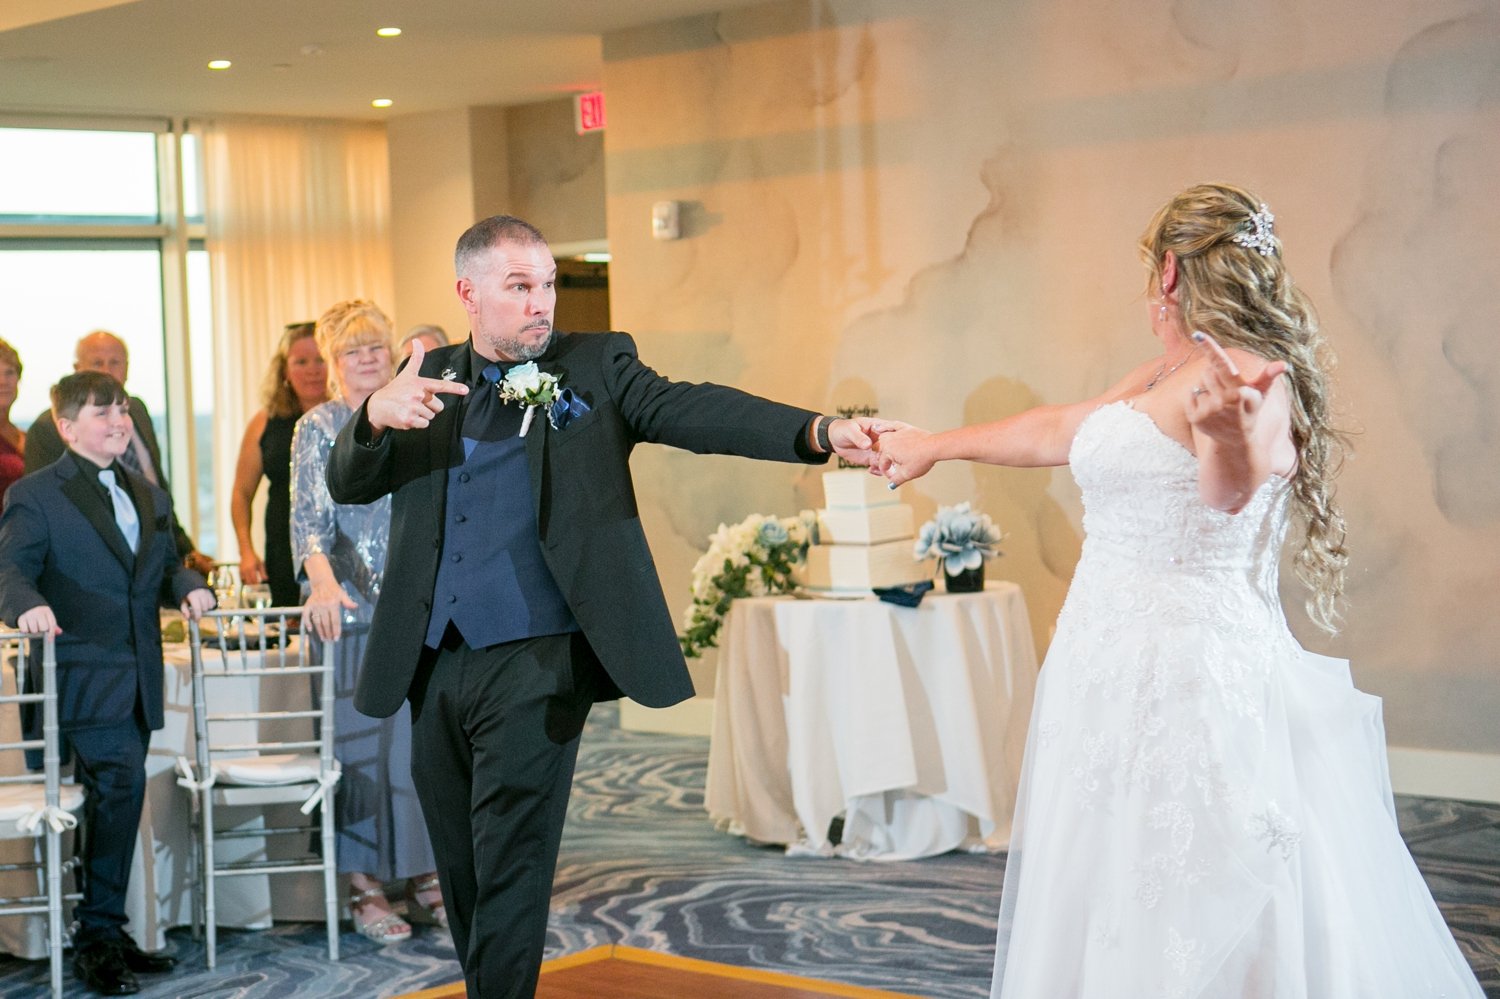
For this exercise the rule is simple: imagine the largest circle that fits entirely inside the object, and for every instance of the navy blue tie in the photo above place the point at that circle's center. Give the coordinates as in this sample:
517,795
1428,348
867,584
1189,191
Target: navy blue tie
486,417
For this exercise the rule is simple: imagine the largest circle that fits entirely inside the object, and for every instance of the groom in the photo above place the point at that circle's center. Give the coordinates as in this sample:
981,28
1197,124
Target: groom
521,589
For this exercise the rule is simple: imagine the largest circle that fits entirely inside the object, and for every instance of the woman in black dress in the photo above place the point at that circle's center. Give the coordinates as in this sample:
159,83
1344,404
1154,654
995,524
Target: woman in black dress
296,382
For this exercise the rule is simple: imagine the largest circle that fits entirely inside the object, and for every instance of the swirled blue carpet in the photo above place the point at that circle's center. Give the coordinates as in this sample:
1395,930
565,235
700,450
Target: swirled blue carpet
642,866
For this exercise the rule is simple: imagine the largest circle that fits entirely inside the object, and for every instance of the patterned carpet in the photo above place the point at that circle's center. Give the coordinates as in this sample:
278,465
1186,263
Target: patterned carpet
641,866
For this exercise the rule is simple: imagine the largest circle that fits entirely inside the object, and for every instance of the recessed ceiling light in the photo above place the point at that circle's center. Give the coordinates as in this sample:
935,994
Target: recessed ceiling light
381,102
387,32
219,64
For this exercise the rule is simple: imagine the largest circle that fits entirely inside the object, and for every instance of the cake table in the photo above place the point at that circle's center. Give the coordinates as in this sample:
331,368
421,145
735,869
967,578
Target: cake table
908,722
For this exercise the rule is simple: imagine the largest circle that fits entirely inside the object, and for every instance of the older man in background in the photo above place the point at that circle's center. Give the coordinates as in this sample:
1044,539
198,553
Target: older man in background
102,351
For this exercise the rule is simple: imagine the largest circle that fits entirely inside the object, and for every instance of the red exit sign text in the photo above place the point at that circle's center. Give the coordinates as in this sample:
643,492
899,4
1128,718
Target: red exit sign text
588,112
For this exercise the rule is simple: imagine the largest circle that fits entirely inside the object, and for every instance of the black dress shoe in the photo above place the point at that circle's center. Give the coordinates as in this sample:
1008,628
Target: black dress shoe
101,966
140,961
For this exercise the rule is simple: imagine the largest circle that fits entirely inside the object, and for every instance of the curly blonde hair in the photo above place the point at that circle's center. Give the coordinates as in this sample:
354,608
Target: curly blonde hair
1245,298
351,323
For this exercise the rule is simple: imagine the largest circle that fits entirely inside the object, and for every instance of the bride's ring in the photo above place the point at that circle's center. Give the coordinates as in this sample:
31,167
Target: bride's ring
1198,390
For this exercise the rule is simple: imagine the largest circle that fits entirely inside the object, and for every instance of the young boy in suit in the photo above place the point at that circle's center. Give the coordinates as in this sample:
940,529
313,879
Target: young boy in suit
87,553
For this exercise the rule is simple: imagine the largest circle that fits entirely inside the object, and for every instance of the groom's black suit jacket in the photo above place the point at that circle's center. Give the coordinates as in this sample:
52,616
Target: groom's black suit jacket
583,497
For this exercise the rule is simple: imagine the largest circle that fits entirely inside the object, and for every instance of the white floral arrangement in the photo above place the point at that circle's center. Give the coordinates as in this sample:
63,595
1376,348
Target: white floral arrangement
753,558
962,538
531,387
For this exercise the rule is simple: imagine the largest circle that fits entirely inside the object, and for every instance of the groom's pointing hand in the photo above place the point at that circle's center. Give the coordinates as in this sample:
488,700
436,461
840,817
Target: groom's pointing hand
409,401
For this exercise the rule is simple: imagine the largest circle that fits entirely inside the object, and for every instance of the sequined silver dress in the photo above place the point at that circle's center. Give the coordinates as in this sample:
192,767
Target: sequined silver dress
1204,809
380,827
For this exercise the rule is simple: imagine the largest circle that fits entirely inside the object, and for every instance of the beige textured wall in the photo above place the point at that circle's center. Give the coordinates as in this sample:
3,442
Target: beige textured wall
933,208
556,175
432,201
451,168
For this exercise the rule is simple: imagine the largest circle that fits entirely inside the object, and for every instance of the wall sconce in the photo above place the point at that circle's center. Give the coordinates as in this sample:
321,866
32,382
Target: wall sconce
666,220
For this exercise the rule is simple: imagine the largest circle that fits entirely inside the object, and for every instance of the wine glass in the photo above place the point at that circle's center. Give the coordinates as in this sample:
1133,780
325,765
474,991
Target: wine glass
256,596
221,579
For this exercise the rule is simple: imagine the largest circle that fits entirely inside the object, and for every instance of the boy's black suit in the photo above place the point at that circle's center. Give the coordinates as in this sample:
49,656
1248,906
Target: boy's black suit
60,546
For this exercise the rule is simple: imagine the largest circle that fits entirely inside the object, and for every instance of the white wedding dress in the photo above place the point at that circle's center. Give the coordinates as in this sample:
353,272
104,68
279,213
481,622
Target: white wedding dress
1204,810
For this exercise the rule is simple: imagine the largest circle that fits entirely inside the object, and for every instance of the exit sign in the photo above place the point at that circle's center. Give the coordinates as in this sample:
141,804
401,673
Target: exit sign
588,112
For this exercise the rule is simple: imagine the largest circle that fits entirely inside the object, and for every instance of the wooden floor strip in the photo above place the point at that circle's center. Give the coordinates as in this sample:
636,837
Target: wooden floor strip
632,973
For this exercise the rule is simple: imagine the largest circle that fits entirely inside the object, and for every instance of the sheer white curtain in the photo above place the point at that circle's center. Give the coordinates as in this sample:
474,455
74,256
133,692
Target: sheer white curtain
298,218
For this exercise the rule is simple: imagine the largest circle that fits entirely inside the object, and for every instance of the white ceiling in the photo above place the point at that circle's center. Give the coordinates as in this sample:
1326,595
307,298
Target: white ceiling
306,57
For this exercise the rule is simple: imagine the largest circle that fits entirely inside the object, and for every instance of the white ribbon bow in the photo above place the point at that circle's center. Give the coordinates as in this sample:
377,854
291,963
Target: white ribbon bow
325,784
57,817
189,780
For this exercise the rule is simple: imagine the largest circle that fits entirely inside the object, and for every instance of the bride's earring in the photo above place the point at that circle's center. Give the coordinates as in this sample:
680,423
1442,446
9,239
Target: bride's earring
1161,313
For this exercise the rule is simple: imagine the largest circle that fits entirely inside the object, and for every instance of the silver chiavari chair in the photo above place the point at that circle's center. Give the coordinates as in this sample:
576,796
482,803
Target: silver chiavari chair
257,758
36,805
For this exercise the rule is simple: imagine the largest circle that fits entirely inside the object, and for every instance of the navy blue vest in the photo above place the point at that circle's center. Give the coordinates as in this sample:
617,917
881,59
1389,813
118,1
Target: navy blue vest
492,581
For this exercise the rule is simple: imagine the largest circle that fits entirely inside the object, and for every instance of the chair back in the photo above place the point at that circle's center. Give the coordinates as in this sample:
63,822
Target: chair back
33,803
261,649
260,740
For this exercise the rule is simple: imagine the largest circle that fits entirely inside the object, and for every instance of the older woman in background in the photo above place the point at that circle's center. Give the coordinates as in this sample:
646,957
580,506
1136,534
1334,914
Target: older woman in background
296,382
12,437
342,550
430,336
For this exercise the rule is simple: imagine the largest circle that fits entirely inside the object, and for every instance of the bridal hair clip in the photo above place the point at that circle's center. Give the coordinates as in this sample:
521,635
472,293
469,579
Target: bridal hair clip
1258,234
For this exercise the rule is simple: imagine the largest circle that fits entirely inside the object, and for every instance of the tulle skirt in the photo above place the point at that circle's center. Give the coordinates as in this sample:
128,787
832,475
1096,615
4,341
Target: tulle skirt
1200,818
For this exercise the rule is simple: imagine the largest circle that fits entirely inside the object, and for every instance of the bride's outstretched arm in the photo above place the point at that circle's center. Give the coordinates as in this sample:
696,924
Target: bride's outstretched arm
1038,437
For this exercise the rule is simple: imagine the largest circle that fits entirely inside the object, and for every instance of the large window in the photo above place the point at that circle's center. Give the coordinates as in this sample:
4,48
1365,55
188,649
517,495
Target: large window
72,176
97,226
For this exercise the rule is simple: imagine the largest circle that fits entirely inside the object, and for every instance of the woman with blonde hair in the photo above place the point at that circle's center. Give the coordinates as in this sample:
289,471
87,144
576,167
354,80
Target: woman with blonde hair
341,550
12,437
296,381
1204,809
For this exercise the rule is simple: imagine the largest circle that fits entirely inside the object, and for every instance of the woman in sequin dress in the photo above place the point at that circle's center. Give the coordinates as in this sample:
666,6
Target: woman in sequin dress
341,551
1204,810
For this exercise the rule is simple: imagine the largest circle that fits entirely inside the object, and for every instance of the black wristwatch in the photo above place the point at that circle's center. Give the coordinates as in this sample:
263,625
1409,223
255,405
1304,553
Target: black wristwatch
820,433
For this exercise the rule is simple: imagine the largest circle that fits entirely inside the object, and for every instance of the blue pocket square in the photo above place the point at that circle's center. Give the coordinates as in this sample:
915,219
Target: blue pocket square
565,408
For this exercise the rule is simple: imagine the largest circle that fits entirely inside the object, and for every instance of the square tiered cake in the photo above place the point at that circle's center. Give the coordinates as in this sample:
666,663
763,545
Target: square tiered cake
865,537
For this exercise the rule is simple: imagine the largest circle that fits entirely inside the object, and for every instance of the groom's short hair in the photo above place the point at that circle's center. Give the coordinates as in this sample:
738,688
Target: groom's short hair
491,231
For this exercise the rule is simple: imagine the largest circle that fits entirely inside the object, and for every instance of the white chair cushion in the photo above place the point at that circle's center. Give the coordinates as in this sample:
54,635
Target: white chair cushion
19,800
267,771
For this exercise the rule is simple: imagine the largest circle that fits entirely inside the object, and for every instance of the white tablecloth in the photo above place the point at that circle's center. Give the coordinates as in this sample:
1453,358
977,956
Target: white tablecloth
909,721
160,893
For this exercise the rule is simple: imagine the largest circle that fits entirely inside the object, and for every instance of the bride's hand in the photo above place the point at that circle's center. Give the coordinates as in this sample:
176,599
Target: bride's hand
905,452
1223,405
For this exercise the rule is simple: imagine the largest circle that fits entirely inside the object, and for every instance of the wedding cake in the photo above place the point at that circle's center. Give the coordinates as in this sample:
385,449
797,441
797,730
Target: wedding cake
864,537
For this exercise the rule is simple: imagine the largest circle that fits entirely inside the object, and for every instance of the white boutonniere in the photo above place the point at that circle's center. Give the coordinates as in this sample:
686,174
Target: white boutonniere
449,374
531,387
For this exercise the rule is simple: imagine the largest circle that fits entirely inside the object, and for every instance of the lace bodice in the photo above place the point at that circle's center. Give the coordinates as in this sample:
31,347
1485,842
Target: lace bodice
1154,552
1140,494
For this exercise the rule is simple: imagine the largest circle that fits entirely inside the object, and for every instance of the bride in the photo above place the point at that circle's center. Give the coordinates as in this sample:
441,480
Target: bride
1204,811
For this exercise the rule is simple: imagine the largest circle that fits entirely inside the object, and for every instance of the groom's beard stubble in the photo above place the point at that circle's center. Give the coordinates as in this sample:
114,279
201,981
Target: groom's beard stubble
518,349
